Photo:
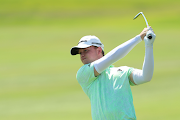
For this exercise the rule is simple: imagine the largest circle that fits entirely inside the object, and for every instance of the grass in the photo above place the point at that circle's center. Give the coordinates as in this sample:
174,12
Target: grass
37,72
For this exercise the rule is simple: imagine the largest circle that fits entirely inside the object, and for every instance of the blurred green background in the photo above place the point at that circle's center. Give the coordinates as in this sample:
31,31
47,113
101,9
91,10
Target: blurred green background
38,74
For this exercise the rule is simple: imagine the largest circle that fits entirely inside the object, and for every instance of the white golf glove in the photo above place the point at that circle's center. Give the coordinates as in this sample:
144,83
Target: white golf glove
149,42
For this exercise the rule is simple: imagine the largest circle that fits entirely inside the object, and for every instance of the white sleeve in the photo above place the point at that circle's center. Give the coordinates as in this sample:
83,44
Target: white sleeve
116,54
146,74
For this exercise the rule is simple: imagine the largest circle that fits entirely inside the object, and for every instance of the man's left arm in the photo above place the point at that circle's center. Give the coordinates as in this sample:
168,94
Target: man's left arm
145,75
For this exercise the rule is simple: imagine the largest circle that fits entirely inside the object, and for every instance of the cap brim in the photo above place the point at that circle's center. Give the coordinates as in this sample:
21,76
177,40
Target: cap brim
75,49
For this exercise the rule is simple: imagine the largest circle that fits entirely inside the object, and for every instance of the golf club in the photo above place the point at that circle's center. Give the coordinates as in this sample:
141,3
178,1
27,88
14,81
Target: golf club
143,16
150,35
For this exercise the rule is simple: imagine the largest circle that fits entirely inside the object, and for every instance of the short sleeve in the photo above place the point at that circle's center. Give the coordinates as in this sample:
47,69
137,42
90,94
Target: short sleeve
129,70
85,75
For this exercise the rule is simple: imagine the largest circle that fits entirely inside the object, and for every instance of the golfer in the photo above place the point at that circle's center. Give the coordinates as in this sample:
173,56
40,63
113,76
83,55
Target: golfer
108,87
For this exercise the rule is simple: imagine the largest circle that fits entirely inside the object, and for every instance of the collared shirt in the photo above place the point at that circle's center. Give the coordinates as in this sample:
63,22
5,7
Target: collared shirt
109,93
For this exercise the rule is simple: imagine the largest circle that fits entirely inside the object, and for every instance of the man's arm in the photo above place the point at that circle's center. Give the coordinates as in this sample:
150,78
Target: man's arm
114,55
141,76
145,75
95,72
117,53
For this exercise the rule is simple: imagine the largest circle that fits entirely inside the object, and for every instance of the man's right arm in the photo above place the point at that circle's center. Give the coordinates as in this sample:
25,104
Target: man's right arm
114,55
95,72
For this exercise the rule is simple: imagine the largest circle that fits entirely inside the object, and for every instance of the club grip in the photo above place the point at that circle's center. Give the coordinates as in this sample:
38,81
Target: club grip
149,36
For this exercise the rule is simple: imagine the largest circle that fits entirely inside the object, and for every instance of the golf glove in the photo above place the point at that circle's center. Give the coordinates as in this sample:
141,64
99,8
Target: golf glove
149,42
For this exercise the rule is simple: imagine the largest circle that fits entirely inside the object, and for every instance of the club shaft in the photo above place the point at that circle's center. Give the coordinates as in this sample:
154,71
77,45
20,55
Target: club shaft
145,20
143,17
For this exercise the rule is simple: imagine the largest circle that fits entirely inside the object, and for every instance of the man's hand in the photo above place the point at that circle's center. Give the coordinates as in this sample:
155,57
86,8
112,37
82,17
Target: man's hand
149,41
143,33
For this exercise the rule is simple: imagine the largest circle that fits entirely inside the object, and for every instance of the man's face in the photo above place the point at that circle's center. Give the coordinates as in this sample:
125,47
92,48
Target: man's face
88,55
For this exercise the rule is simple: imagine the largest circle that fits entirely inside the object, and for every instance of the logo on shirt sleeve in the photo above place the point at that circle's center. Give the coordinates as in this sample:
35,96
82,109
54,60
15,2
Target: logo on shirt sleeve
119,69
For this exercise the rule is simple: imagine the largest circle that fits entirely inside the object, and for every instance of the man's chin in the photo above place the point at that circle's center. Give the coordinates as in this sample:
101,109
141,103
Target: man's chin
85,62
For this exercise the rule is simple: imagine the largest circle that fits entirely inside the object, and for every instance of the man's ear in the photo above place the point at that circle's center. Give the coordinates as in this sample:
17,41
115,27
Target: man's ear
99,50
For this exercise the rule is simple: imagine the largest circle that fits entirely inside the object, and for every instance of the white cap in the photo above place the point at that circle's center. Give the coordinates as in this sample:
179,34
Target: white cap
85,42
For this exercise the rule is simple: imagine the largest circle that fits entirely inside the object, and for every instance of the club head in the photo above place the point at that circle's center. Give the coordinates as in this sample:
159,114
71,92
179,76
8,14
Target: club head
137,15
143,16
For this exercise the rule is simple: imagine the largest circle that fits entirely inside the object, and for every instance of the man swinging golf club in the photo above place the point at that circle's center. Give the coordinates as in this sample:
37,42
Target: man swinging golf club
108,87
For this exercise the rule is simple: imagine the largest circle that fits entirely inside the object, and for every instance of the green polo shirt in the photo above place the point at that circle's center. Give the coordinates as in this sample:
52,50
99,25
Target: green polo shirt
110,93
